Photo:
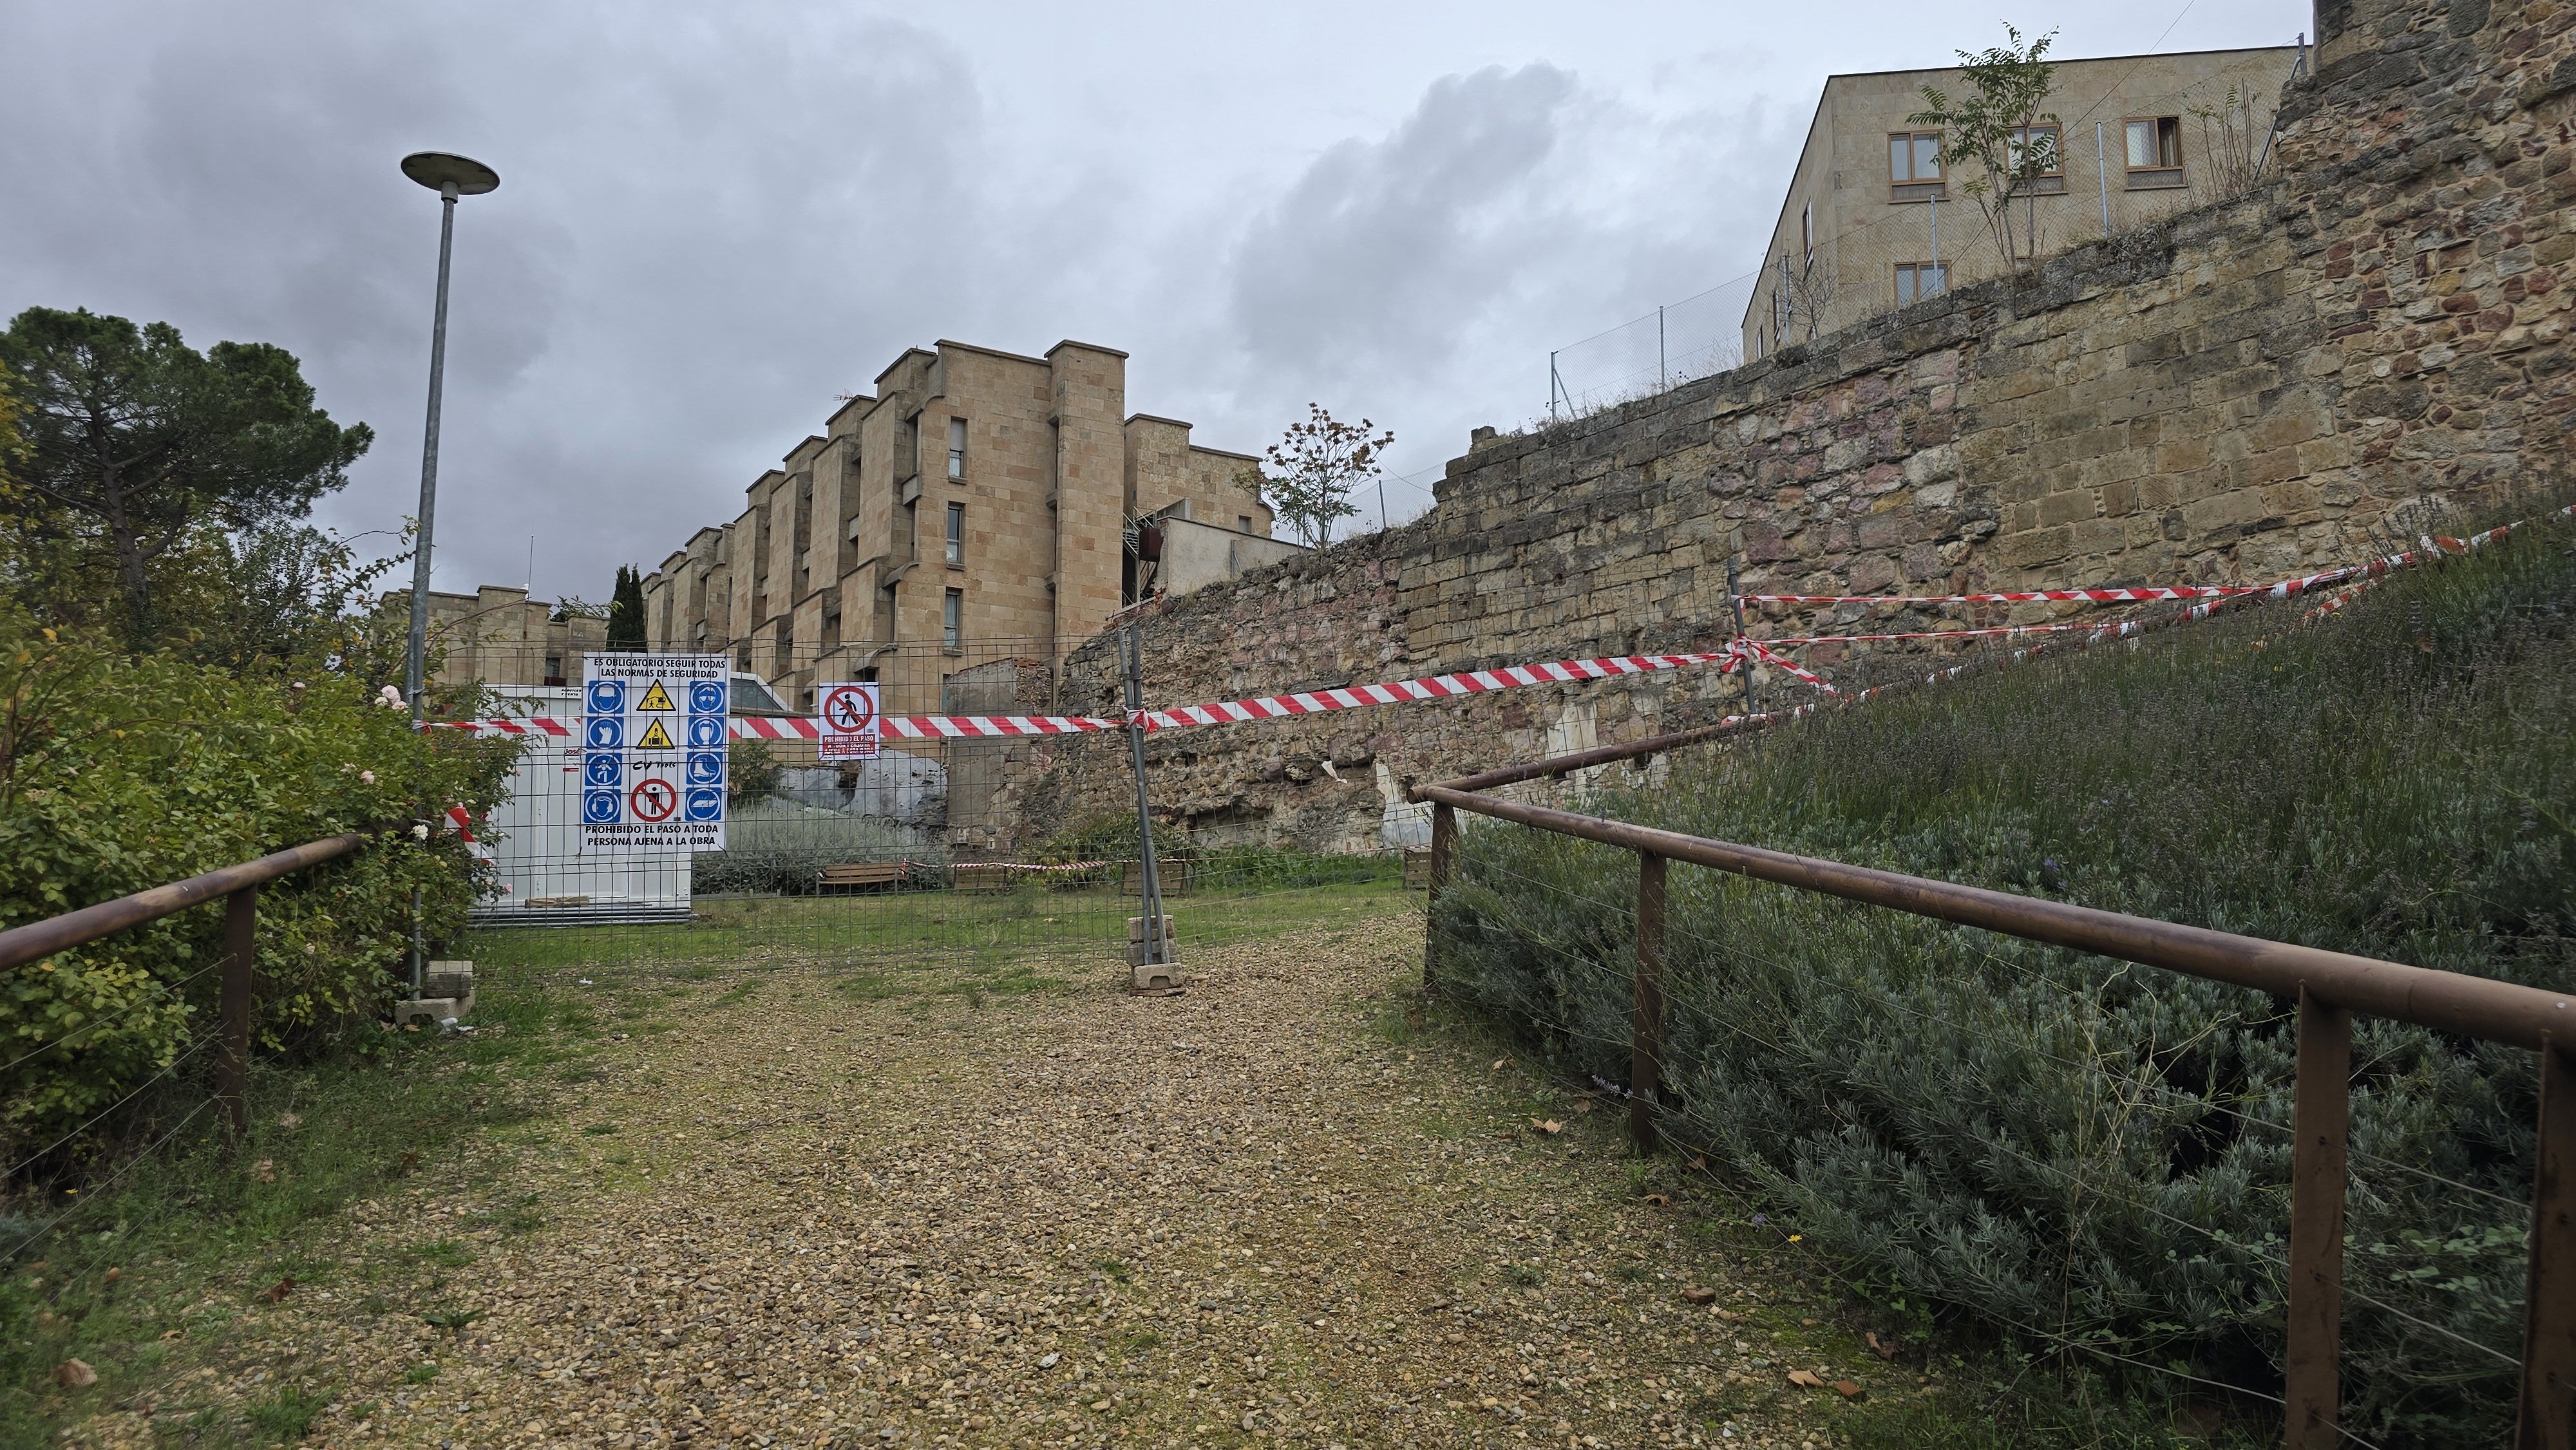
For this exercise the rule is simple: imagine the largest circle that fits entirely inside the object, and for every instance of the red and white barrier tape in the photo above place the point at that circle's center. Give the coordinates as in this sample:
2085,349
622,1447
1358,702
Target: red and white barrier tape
925,727
1265,707
1433,687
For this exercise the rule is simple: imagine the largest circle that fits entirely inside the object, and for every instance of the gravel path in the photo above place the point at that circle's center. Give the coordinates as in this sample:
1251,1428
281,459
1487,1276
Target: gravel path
1273,1209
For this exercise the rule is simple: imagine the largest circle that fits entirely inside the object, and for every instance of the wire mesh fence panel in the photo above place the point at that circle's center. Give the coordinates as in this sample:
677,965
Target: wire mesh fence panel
912,851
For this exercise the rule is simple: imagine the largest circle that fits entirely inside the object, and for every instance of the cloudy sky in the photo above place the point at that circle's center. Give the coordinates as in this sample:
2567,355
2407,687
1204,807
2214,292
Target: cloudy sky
715,218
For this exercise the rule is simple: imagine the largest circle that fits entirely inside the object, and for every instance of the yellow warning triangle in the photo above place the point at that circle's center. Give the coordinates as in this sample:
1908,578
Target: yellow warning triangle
655,737
656,698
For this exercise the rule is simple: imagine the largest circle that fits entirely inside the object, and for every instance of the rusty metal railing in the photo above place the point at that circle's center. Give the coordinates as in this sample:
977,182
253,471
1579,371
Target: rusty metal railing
239,886
2329,987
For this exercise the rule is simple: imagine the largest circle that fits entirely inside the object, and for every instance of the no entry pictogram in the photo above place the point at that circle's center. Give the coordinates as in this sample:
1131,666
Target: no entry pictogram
652,801
849,711
851,726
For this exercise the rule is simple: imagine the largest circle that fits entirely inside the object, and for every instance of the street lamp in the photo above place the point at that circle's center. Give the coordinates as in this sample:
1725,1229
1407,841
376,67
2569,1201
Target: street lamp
451,177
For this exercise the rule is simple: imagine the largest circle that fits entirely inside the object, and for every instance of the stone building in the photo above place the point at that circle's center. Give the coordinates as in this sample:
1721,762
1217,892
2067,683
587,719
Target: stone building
1870,223
976,499
500,637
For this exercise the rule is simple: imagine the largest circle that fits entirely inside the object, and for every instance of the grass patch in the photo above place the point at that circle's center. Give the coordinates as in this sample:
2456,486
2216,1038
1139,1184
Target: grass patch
191,1223
287,1415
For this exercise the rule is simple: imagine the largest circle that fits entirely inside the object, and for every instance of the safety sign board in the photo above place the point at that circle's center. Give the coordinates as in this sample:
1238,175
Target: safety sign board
653,752
852,728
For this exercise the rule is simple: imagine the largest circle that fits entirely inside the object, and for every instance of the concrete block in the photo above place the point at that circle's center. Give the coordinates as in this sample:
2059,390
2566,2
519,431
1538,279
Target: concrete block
447,979
432,1011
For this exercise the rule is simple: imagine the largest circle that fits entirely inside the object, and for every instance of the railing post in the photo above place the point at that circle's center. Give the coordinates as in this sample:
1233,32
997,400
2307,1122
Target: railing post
2549,1296
241,954
1444,843
1646,1029
2321,1122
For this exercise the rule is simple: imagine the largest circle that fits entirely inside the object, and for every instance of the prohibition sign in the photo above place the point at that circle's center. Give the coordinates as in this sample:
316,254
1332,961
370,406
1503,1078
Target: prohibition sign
848,712
653,801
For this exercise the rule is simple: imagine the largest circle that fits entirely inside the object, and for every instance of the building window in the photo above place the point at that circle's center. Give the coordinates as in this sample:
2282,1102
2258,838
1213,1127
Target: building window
1243,523
554,670
956,448
957,534
952,619
1807,231
2154,146
1918,280
1915,161
2035,147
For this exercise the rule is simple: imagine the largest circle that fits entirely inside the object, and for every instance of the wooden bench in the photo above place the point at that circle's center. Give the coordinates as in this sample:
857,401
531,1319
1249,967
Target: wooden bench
1172,874
859,874
974,876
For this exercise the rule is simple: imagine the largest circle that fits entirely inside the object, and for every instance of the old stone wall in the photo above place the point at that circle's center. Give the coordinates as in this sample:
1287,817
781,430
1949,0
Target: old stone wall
2248,390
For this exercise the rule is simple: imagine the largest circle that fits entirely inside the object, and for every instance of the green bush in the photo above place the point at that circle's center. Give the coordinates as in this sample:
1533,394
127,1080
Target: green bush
118,774
2087,1151
780,847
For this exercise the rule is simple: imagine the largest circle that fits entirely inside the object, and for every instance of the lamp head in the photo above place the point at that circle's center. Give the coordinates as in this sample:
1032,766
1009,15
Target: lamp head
439,170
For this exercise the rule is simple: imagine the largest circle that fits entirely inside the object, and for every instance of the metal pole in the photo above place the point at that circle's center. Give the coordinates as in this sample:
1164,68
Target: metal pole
1663,378
415,660
241,956
1149,880
2102,168
1555,386
1735,600
2321,1118
419,949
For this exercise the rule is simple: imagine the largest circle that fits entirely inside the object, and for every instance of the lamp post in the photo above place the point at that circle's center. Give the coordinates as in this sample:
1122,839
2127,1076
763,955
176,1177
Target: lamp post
451,177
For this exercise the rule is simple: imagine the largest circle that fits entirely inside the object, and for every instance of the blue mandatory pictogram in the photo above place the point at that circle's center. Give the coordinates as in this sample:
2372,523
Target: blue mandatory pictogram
601,807
603,768
705,803
607,697
605,732
706,767
706,731
707,697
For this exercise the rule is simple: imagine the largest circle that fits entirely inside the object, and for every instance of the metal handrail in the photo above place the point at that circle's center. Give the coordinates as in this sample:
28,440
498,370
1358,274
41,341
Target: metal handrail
2505,1012
37,940
2328,987
239,887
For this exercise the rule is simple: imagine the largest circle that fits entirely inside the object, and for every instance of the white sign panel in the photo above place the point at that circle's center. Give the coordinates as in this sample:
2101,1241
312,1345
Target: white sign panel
653,752
852,729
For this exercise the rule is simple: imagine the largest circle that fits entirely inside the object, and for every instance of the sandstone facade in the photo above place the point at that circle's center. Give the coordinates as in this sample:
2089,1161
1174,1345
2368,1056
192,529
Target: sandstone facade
977,501
2235,393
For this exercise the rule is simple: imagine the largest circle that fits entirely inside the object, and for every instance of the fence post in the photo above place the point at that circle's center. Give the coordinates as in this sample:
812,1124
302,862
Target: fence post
1444,841
241,954
2321,1121
2549,1296
1646,1029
